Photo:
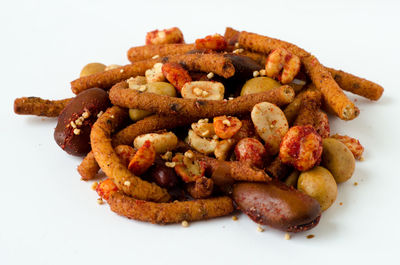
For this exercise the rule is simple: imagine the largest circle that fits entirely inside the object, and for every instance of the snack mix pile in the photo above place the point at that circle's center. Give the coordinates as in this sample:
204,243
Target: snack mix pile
188,132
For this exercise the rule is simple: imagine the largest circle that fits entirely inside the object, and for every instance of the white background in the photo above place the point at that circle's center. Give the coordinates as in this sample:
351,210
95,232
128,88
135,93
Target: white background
49,216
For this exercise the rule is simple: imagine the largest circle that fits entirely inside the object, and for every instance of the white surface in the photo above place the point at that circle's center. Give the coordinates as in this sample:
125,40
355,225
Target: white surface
49,216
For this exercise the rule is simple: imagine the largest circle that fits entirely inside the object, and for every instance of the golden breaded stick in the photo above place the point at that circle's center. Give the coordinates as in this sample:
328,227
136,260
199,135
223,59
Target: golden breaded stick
89,168
234,170
292,110
277,169
216,63
333,94
39,107
149,51
356,85
334,97
201,188
110,163
147,125
310,106
174,212
196,108
231,36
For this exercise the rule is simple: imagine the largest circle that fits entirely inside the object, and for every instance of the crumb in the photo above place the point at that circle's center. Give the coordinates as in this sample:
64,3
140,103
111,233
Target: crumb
94,185
340,203
260,229
170,164
210,75
262,72
310,236
355,183
287,236
155,56
127,183
256,73
234,218
185,223
100,201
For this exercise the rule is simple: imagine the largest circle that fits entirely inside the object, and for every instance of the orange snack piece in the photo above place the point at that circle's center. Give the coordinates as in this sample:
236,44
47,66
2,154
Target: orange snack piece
214,42
166,36
226,127
176,75
143,159
353,144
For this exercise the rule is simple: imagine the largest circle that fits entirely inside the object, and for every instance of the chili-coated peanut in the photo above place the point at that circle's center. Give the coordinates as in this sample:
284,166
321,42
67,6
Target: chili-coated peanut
162,142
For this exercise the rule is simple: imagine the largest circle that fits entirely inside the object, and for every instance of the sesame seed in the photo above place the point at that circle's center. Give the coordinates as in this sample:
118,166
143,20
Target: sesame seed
256,73
94,185
226,122
237,45
271,126
86,114
262,72
210,75
185,223
189,154
127,183
155,56
234,218
167,155
121,71
77,131
112,116
230,98
287,236
170,164
260,229
78,122
100,201
205,133
99,114
238,51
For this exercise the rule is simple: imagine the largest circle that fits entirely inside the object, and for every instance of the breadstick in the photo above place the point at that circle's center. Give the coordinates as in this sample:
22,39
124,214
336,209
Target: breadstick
111,164
149,51
231,36
277,169
309,108
195,108
39,107
216,63
356,85
88,168
334,97
174,212
201,188
333,94
234,170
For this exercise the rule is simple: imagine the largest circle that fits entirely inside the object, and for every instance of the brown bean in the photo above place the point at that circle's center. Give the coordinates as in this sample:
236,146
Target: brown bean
72,133
162,175
277,205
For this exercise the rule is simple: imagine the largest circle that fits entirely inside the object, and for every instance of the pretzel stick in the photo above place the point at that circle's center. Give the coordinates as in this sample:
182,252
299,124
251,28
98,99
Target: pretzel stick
174,212
195,108
149,51
333,94
88,168
215,63
356,85
109,162
39,107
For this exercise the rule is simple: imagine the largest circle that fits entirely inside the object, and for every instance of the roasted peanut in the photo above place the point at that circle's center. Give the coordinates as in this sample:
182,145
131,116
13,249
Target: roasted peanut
162,142
301,147
271,125
214,42
338,159
226,127
258,85
203,90
320,185
155,74
223,149
92,68
166,36
353,144
280,59
202,145
143,159
176,75
252,151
